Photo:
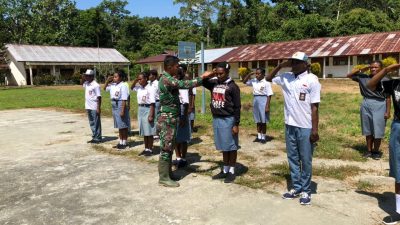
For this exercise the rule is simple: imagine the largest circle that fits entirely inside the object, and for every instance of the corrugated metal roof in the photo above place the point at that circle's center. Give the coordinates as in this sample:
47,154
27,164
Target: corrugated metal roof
63,54
211,54
152,59
375,43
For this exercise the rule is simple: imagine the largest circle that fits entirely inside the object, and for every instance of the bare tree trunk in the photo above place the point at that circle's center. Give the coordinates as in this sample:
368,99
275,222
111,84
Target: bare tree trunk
208,35
338,11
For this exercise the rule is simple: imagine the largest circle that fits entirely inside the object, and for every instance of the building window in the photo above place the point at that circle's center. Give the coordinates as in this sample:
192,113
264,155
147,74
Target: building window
272,63
261,64
245,64
364,59
340,61
326,61
254,64
384,56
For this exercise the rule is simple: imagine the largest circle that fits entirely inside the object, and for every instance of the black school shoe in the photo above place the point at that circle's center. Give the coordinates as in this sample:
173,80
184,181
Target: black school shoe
230,178
376,155
94,141
257,140
221,175
120,147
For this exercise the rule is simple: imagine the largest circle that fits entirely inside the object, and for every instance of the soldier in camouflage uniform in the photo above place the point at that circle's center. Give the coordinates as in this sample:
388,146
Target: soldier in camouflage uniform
169,112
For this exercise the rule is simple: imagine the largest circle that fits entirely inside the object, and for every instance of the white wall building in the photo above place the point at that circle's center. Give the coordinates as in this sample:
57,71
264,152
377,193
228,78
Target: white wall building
27,61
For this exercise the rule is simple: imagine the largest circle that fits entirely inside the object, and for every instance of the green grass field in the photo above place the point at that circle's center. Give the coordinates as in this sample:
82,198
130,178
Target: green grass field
340,130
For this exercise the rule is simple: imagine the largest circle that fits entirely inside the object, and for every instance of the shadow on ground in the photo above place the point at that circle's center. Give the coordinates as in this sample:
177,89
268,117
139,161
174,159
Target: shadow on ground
193,166
386,201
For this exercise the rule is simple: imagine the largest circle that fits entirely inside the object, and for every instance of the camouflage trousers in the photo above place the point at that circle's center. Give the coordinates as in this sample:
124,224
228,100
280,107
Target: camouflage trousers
166,129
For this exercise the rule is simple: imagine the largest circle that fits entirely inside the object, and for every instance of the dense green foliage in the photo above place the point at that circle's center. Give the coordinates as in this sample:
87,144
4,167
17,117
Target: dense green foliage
217,22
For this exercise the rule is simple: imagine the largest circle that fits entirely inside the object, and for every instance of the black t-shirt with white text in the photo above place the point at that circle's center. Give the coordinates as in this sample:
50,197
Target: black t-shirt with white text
225,98
392,87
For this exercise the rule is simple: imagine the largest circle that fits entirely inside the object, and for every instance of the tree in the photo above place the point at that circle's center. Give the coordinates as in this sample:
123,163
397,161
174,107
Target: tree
361,21
17,17
114,15
52,22
91,29
200,12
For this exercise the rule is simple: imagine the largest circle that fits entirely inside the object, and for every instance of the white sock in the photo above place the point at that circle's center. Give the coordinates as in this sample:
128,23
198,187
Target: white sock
178,158
259,136
232,170
123,142
397,203
226,169
120,141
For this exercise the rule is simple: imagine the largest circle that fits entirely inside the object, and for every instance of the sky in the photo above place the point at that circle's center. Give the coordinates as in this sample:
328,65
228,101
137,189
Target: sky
142,8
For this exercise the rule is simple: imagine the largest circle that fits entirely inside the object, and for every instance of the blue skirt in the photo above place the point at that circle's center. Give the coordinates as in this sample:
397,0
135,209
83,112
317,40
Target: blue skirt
372,114
119,122
145,128
223,138
394,151
259,114
183,134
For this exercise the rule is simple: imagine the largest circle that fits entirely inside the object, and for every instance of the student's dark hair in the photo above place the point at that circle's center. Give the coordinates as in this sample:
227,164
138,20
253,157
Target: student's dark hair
153,72
181,74
145,74
224,65
121,74
262,70
170,60
379,62
183,66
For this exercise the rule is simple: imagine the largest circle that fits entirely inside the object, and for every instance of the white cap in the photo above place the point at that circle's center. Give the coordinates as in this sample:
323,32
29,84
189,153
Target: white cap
300,56
89,72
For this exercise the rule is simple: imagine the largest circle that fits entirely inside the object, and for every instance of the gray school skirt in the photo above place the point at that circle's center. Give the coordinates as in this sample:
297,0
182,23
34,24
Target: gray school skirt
259,114
119,122
145,128
223,138
372,112
183,134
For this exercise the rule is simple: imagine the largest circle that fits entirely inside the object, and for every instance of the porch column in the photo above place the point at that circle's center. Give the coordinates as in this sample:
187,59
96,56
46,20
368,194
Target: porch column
324,68
348,64
266,67
141,67
31,74
129,75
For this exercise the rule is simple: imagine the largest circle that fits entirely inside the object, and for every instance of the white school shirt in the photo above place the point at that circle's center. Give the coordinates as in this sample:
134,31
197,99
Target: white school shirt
260,87
194,91
127,85
154,85
184,96
145,95
92,91
299,93
118,91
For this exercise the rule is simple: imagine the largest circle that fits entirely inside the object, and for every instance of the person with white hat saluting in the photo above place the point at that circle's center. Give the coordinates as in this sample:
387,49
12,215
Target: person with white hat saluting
93,104
301,91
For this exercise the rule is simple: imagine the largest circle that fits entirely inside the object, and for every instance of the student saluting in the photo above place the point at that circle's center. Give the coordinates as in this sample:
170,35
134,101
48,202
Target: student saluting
301,91
225,108
119,96
262,93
